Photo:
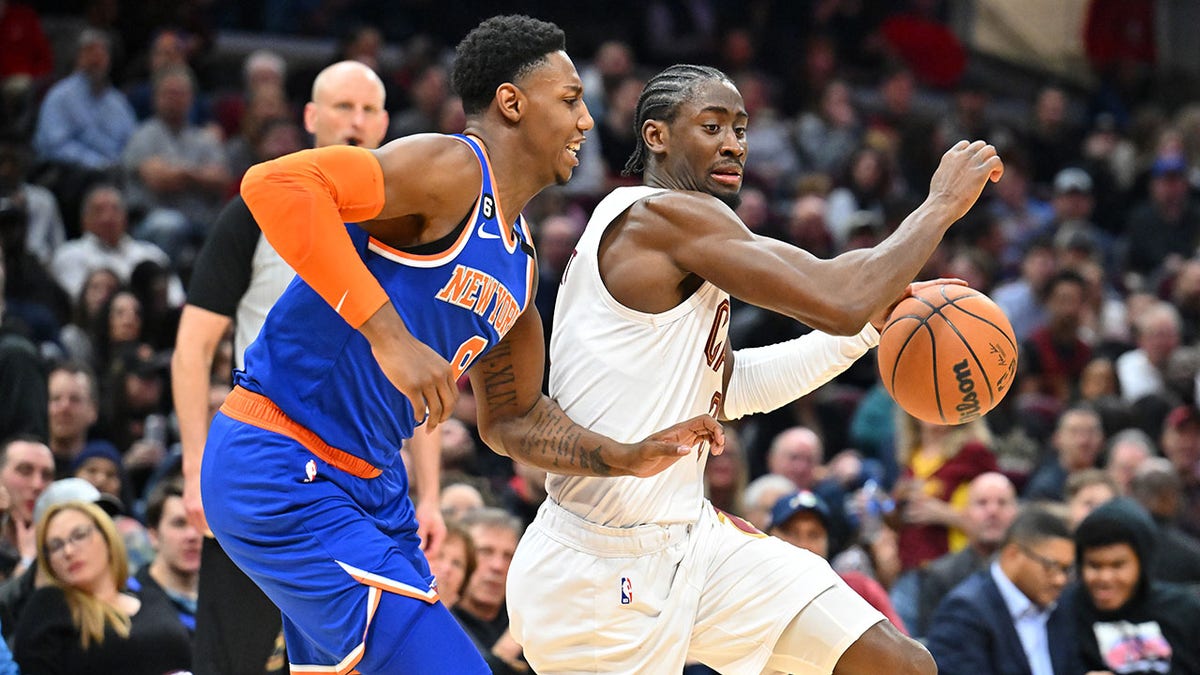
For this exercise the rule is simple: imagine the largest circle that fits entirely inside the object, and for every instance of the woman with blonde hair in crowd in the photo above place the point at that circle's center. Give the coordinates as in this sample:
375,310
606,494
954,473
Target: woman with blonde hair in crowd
84,621
937,462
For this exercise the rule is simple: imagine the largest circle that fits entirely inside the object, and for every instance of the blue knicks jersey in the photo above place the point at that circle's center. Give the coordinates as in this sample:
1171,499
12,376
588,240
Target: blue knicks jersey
460,302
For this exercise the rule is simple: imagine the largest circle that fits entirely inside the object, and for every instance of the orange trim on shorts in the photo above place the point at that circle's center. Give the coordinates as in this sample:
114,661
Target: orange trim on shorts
259,411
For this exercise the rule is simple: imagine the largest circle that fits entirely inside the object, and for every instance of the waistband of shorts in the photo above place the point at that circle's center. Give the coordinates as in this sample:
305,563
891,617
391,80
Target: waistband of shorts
607,542
257,410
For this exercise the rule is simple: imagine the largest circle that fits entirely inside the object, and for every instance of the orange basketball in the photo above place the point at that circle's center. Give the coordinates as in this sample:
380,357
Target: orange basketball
947,355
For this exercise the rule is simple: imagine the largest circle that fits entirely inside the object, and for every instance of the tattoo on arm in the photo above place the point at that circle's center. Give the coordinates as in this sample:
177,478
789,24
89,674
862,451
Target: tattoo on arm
554,436
547,437
500,385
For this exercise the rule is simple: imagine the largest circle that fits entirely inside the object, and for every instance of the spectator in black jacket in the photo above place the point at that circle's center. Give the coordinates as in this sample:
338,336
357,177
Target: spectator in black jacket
1127,623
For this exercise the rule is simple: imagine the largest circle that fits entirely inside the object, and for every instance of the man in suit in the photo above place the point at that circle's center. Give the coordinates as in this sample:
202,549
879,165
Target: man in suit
1006,620
991,508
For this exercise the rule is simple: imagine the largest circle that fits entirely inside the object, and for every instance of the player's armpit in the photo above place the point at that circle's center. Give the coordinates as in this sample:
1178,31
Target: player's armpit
301,202
517,421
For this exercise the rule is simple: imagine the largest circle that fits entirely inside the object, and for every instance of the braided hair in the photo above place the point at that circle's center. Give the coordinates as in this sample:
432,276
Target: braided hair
501,49
660,100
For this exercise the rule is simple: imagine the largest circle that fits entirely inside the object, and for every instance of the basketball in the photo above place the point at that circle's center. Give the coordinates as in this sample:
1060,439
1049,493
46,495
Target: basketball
947,355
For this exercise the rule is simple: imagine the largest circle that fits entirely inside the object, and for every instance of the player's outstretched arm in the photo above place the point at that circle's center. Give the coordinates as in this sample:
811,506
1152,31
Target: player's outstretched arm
301,202
517,420
840,295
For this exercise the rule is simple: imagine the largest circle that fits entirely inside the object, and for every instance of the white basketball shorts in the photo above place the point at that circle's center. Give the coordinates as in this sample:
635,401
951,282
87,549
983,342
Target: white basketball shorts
584,598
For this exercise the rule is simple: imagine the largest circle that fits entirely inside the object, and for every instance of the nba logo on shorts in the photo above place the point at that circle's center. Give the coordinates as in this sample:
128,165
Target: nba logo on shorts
626,590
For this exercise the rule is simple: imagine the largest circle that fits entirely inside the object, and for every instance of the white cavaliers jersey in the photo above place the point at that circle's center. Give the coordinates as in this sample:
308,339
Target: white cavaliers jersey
627,374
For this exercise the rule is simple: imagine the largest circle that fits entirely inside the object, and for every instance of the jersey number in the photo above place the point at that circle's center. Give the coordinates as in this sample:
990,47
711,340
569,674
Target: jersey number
466,353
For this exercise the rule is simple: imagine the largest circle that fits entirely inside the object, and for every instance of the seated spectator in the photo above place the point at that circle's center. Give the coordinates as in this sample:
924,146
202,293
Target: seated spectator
116,328
46,231
798,454
174,575
26,470
454,564
30,293
105,243
1127,450
83,125
1054,356
761,495
26,62
99,463
1162,231
1084,491
176,171
1126,621
15,592
1180,443
481,609
1021,298
74,408
169,49
938,463
1142,371
991,508
150,283
262,68
268,106
22,378
1157,487
1077,441
459,499
1007,619
84,621
76,336
429,90
802,520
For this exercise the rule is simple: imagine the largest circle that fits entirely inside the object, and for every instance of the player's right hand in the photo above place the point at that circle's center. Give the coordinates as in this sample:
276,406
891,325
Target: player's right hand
420,373
662,449
961,175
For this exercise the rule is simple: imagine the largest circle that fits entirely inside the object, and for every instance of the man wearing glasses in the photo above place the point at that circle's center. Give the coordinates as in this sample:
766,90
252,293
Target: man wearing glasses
1006,619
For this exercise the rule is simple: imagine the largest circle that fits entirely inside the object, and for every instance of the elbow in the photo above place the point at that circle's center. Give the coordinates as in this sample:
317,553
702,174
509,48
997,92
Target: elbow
492,435
254,180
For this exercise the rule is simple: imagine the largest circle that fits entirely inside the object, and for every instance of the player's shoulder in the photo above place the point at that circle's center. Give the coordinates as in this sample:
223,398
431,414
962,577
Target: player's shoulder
428,151
684,208
433,170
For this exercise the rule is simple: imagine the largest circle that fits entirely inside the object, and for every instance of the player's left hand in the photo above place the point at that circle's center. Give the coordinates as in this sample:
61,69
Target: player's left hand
660,450
431,527
879,320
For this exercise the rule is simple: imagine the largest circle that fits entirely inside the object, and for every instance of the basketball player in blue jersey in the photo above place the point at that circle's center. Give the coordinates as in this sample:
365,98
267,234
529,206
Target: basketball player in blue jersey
301,480
669,578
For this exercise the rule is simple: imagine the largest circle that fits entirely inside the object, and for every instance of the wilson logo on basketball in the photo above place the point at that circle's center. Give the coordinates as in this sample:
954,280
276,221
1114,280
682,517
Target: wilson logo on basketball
968,409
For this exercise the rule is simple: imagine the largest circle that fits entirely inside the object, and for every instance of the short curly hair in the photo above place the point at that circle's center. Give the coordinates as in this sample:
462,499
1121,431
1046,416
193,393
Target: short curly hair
501,49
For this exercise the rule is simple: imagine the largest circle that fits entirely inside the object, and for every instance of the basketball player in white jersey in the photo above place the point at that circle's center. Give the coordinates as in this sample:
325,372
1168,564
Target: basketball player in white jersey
639,575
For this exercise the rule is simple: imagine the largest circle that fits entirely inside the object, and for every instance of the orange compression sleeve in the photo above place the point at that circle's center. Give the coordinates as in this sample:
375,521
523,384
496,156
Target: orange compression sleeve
301,202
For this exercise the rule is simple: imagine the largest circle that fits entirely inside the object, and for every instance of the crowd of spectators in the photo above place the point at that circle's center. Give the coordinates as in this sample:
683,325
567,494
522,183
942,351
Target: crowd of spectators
120,141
